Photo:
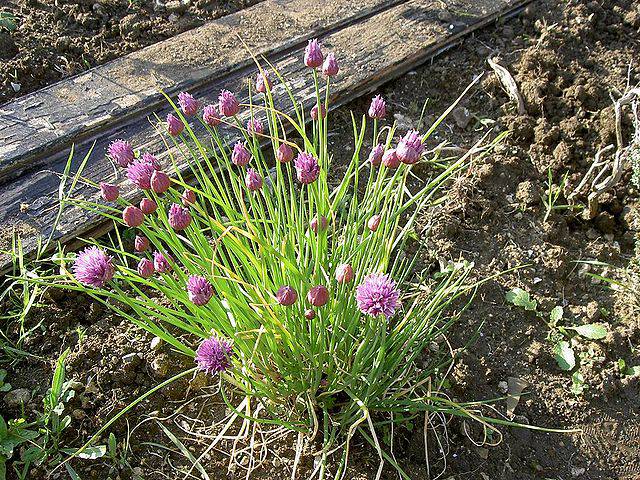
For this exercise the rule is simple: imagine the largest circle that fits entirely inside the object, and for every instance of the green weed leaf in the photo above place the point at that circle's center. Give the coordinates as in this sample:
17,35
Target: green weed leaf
592,331
563,353
521,298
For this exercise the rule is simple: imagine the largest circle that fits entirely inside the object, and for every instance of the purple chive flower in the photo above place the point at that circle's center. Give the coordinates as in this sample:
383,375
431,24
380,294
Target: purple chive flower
314,112
199,289
254,127
410,147
253,180
188,104
150,158
174,125
161,262
377,295
121,152
309,314
312,54
307,168
318,295
321,225
93,267
145,268
148,206
214,355
378,108
374,222
132,216
330,66
228,103
141,243
390,159
262,81
109,191
285,153
211,116
375,156
344,273
240,156
179,217
188,197
140,172
160,182
286,295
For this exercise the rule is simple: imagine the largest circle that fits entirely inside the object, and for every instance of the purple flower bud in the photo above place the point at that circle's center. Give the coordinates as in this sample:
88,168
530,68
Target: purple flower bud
240,156
109,191
174,125
150,158
140,172
318,295
188,197
309,314
390,159
374,222
214,355
160,181
145,268
121,152
377,295
330,66
344,273
262,81
410,147
378,108
132,216
211,116
148,206
93,267
375,156
313,55
188,104
314,112
307,168
286,295
285,153
179,217
315,225
228,104
141,243
254,127
253,180
161,262
199,289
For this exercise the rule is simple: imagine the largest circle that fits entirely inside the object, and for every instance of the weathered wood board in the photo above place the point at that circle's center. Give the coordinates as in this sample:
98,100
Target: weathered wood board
374,41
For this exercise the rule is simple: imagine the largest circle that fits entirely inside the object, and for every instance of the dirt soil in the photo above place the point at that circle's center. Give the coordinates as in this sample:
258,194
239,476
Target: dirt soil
58,38
565,61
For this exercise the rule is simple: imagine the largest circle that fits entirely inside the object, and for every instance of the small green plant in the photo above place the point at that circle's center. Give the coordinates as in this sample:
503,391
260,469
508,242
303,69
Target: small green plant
4,386
627,371
7,21
552,195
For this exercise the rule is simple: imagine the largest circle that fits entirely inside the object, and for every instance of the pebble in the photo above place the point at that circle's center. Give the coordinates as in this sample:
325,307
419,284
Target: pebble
503,386
156,344
17,397
461,116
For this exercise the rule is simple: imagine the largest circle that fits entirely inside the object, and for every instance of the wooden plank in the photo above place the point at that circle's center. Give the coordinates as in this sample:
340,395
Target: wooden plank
371,51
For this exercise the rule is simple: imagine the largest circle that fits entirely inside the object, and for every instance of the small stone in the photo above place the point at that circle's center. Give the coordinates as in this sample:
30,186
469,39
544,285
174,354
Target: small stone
156,344
593,311
527,193
161,365
503,386
461,116
17,397
577,471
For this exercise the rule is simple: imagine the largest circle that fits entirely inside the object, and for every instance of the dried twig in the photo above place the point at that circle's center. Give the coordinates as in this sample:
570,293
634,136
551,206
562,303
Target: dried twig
509,84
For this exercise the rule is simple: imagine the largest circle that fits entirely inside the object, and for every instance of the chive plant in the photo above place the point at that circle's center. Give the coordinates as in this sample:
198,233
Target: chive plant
296,295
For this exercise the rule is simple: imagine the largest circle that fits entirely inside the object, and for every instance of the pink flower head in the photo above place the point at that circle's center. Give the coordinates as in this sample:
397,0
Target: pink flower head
330,66
109,191
150,158
312,54
93,267
188,104
140,172
286,295
410,147
318,295
344,273
285,153
315,225
254,127
314,112
161,262
211,116
228,103
141,243
307,168
309,314
374,222
121,152
179,217
214,355
199,289
378,108
390,159
375,156
377,295
253,180
174,125
188,197
132,216
148,206
160,181
145,268
262,81
240,156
